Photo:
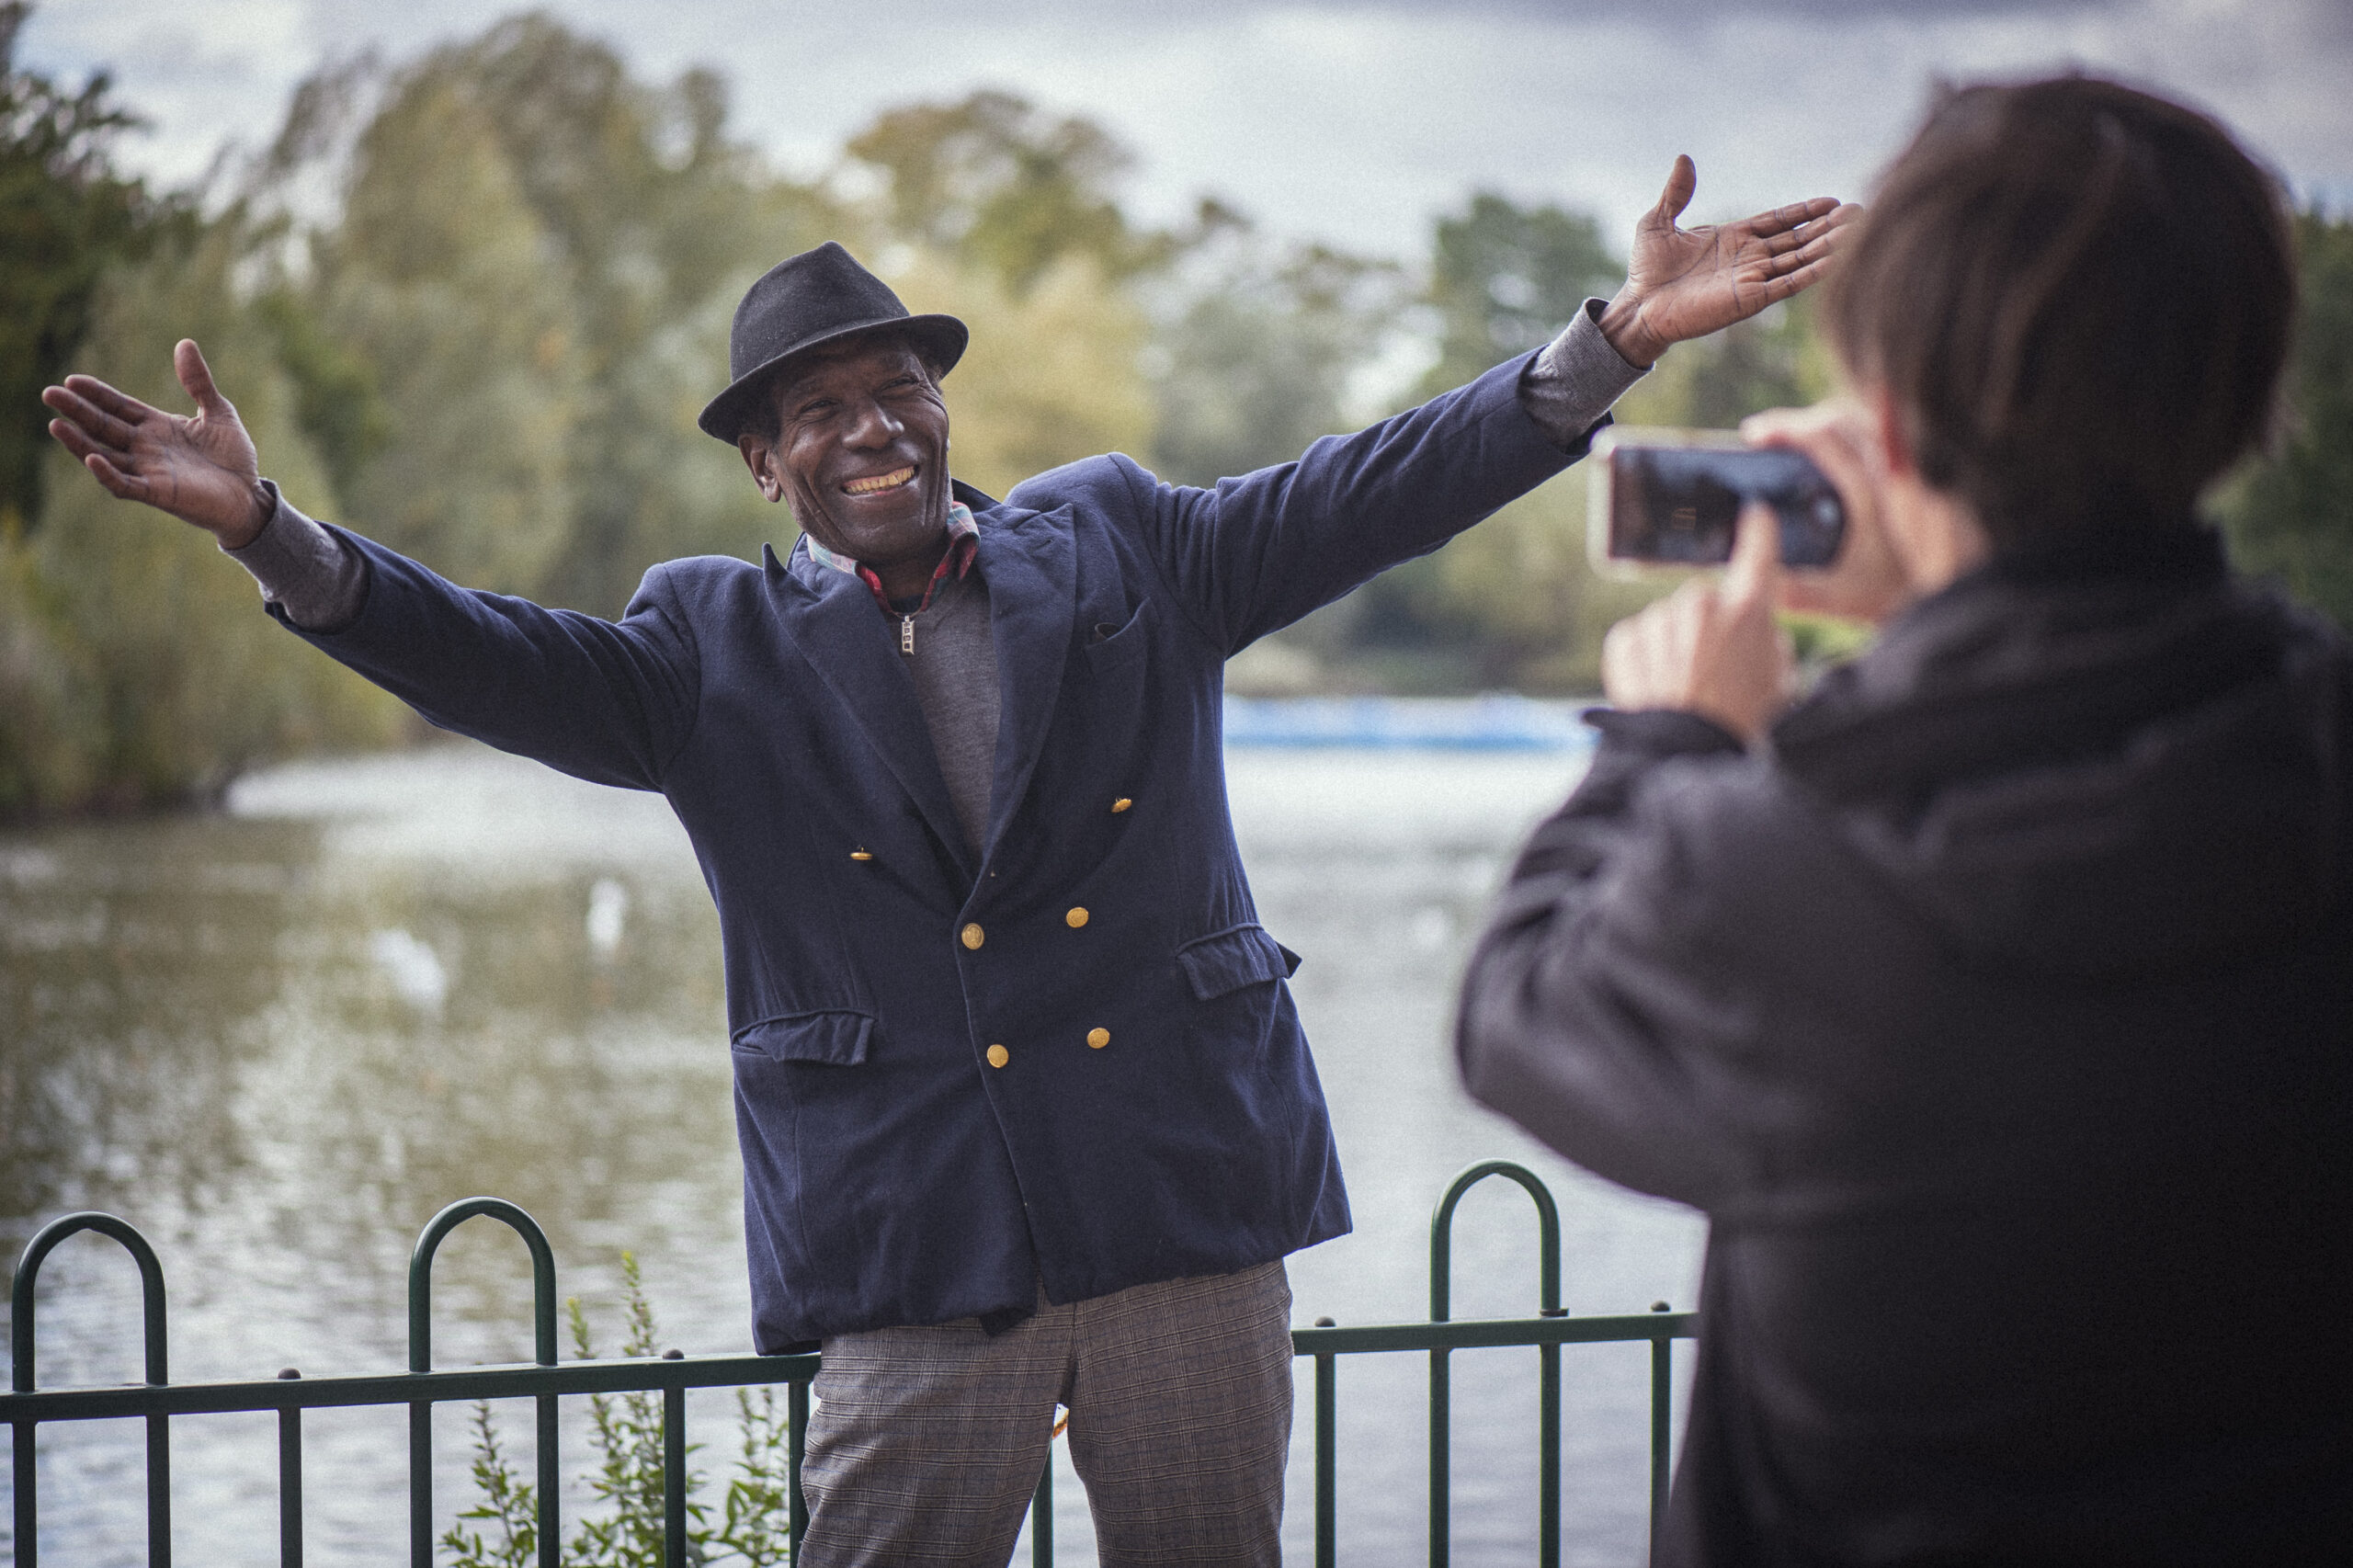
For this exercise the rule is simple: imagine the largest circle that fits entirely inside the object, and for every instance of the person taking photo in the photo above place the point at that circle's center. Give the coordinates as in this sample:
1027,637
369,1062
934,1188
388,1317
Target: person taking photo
1994,999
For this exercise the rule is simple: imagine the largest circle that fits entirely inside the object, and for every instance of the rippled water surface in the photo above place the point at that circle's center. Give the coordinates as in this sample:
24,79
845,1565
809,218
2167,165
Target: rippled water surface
278,1039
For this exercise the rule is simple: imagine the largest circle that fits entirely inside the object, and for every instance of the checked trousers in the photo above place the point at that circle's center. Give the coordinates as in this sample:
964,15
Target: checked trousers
926,1443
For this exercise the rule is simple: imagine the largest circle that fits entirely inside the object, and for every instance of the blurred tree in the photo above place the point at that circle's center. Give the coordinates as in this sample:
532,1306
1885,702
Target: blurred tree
1257,359
1512,603
64,214
1000,185
438,279
1052,373
1775,359
2291,514
502,343
134,669
660,219
1506,279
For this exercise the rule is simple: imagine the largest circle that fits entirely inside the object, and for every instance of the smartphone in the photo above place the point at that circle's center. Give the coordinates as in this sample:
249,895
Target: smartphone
1671,498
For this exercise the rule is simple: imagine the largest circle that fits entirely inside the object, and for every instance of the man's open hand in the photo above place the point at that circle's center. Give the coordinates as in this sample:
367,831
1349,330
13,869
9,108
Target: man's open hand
1686,283
201,471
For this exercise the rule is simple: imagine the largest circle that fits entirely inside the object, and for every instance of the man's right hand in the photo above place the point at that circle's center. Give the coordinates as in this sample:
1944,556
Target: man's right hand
202,470
1868,581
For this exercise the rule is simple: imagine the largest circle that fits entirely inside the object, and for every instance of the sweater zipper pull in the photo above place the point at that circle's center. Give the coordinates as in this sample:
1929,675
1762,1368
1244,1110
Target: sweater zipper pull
907,635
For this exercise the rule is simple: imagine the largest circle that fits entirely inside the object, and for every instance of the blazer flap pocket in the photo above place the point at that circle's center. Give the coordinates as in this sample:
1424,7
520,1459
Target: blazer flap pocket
836,1039
1231,959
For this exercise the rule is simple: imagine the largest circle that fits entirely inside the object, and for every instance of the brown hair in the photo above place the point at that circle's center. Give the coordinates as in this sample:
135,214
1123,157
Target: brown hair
2078,296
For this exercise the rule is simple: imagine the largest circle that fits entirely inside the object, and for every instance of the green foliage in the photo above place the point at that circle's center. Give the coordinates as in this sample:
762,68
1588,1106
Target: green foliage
437,280
627,1431
756,1522
1512,603
1505,279
507,1502
629,1440
2291,514
338,401
1052,375
136,668
504,334
1819,640
1775,359
65,215
1257,361
997,185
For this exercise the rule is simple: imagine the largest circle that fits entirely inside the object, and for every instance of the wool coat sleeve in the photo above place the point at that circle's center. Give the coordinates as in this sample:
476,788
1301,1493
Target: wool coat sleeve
1597,1011
609,701
1250,555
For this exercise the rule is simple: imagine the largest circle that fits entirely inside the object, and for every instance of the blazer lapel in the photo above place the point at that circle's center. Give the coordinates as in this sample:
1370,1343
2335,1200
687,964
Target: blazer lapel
1027,559
829,617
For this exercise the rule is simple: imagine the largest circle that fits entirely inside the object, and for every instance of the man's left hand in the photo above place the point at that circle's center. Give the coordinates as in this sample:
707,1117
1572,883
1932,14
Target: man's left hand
1686,283
1711,647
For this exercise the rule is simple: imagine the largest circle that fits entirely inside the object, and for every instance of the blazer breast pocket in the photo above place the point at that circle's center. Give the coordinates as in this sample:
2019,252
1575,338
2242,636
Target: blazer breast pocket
1112,648
1116,675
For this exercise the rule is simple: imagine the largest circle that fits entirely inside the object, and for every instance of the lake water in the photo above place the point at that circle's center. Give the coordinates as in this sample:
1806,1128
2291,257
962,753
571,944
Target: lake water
278,1039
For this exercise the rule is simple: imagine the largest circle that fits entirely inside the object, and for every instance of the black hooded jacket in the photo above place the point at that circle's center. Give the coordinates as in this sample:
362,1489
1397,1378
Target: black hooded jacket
1999,1014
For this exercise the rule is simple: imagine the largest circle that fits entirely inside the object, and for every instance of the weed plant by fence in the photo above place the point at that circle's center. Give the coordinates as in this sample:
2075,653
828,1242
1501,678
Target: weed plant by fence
637,1414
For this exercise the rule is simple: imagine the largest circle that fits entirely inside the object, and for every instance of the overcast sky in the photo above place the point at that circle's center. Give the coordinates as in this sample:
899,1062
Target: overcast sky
1351,120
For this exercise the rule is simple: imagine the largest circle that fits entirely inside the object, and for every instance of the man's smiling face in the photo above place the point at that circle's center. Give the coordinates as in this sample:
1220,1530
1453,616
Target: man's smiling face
860,454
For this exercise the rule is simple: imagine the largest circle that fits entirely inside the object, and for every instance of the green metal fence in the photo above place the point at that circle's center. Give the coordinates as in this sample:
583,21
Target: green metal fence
28,1406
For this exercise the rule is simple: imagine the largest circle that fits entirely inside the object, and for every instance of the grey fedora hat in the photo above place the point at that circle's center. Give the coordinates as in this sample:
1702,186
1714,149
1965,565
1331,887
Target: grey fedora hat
802,302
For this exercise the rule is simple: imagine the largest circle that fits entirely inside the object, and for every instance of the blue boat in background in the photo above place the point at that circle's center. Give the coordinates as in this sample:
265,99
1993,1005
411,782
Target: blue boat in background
1497,721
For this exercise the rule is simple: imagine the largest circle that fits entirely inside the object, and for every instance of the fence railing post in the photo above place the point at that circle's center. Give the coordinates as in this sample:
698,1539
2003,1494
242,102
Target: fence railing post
796,1447
289,1480
1661,1421
1327,1448
1041,1514
420,1359
674,1471
1548,1286
158,1370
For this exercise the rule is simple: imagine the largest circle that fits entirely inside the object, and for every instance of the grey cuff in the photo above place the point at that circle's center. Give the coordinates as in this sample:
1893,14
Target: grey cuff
304,570
1570,385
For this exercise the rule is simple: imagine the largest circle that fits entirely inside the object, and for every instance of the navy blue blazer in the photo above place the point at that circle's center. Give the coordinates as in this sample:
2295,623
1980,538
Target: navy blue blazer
945,1090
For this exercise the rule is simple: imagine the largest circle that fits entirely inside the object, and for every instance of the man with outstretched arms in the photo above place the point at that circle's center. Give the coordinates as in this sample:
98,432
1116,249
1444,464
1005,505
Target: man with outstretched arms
1026,1113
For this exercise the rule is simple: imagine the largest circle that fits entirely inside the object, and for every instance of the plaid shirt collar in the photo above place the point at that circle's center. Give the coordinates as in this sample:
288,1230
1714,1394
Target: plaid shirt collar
964,543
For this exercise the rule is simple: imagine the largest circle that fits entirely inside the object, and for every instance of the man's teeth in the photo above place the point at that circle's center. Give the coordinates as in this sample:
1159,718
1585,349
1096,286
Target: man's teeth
891,481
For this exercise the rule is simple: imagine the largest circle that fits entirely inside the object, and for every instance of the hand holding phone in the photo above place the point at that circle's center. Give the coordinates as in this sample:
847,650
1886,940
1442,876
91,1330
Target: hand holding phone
1713,647
1846,435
